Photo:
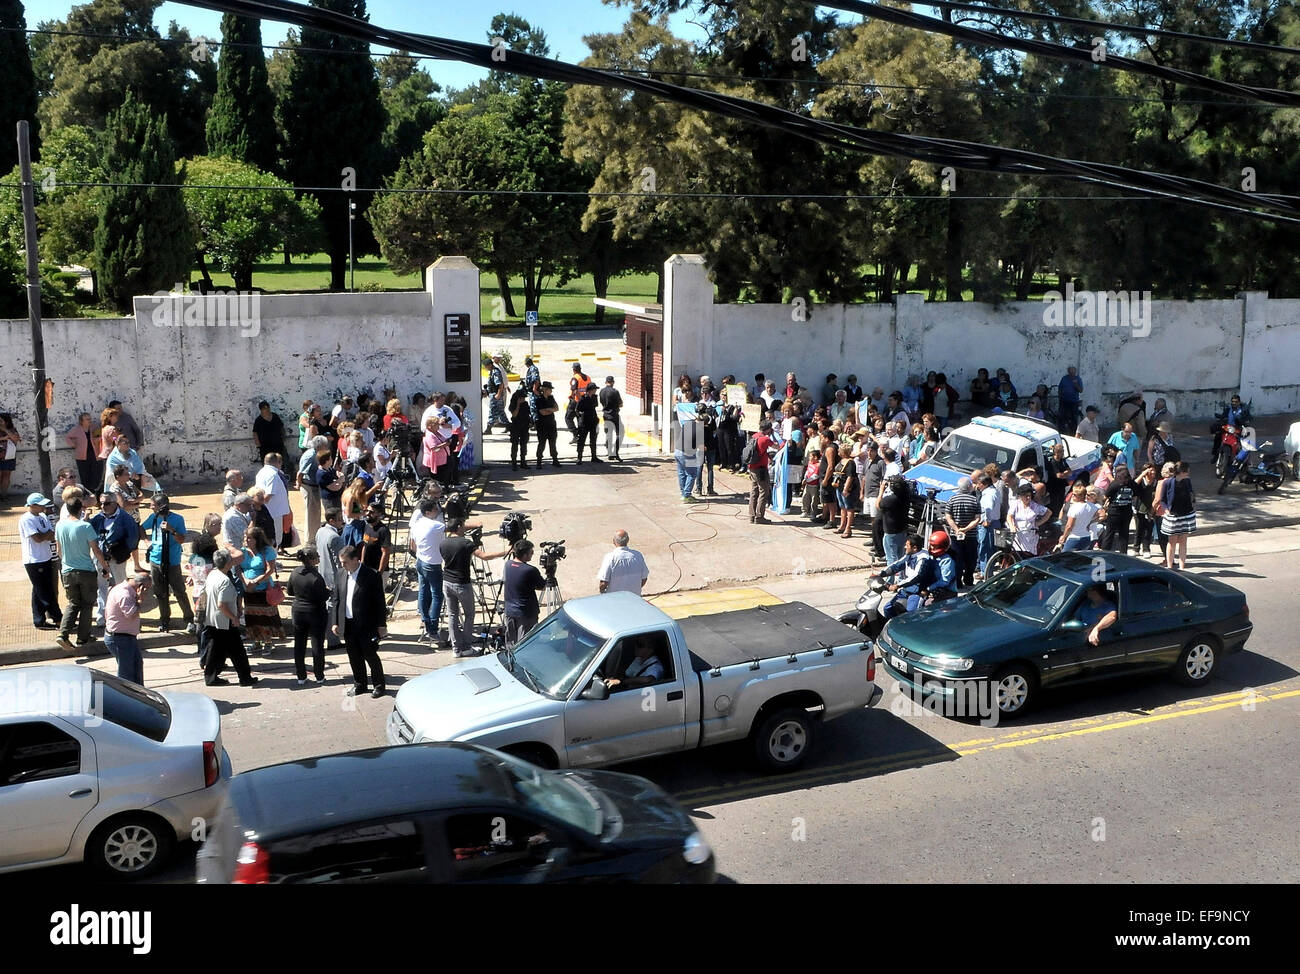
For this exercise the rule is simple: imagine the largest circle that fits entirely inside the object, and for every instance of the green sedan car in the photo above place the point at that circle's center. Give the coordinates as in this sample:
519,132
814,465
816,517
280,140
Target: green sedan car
1064,619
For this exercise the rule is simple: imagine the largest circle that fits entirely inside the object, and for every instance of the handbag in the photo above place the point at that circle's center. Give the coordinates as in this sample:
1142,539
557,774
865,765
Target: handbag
274,594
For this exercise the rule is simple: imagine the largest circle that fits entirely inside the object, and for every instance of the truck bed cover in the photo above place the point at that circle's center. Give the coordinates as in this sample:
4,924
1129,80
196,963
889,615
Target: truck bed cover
765,632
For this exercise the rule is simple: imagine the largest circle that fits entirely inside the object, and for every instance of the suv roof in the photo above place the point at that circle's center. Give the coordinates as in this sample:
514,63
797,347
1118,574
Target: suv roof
1018,424
332,790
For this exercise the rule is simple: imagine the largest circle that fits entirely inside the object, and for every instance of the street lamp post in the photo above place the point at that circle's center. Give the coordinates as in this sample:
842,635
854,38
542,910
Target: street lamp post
352,260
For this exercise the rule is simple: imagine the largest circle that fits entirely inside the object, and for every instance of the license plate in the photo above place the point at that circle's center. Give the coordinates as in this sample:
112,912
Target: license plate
898,663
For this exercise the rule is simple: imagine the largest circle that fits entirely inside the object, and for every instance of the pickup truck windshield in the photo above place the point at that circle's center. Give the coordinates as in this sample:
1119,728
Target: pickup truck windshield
965,454
1027,593
556,654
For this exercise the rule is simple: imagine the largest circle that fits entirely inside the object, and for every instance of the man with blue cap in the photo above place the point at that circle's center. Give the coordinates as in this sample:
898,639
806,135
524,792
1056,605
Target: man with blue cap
37,533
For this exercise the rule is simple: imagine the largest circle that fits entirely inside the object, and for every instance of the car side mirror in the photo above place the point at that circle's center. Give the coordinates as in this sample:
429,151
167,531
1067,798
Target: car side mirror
1074,624
596,690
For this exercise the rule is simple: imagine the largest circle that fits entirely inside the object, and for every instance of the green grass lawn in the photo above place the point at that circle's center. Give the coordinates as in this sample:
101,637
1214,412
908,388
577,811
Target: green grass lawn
569,305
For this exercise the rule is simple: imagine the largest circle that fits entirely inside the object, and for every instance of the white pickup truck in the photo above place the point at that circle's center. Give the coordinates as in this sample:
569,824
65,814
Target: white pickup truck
771,674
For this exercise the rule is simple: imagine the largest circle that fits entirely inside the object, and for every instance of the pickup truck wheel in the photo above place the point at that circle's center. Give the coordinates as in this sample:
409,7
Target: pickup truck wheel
783,739
533,755
1014,689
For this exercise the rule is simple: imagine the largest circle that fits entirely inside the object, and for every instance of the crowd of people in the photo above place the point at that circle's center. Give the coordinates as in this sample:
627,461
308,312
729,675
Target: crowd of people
842,454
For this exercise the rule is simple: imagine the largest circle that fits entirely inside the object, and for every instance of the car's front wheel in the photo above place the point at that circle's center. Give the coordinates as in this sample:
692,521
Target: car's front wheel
1014,689
130,846
1197,662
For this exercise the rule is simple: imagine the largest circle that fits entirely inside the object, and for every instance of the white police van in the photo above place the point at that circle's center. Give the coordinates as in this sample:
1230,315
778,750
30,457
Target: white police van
1010,440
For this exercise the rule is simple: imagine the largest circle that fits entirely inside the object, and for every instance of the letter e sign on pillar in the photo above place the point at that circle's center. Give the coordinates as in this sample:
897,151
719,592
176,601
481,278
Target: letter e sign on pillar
456,342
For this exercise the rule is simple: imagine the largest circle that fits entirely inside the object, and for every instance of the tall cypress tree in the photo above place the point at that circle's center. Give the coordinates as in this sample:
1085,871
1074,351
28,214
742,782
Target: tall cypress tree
143,242
241,122
17,82
333,118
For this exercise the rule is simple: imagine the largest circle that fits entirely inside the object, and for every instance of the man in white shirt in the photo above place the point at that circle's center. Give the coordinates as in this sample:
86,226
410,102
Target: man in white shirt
644,670
1087,428
342,412
270,480
36,532
624,569
427,534
220,625
444,414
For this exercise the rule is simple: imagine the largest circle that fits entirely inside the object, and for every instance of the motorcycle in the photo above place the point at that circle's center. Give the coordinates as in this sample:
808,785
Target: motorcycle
1266,475
1230,438
865,616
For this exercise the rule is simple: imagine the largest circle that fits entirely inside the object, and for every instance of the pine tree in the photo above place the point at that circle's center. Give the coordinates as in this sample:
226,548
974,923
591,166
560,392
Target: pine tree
16,81
143,242
241,122
333,119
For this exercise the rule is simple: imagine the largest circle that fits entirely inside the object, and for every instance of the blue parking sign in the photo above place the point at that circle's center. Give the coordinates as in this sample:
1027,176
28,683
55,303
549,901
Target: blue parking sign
530,317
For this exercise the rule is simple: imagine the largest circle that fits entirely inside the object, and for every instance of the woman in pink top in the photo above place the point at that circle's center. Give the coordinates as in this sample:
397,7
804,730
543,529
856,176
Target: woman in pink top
108,431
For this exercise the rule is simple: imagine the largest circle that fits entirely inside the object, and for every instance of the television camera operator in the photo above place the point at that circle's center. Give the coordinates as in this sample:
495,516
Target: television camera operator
522,583
460,546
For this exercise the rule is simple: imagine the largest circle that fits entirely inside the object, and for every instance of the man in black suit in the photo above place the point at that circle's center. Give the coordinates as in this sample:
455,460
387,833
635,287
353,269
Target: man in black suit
361,617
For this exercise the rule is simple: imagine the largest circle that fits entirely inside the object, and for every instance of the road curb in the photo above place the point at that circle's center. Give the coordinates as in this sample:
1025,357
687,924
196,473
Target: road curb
97,650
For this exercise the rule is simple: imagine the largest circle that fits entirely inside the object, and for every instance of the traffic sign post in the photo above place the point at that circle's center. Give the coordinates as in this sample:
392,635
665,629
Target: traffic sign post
531,318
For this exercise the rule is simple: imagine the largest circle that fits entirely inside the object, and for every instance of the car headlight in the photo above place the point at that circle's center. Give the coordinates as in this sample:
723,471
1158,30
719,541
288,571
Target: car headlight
956,664
695,850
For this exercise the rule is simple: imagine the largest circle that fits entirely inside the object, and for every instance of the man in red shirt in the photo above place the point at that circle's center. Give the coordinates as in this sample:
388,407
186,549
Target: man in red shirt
761,485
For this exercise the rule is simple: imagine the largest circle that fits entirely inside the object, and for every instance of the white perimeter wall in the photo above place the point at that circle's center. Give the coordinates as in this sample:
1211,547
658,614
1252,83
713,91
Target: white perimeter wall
195,389
1197,352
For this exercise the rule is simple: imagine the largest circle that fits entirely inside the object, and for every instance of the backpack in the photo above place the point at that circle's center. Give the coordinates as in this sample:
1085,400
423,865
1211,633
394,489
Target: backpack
749,455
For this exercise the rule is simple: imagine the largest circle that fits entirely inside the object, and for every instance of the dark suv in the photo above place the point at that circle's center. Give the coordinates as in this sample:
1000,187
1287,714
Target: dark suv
444,812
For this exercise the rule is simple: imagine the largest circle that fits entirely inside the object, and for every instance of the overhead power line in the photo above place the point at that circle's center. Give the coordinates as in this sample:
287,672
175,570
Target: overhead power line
597,194
957,153
1096,25
1061,52
814,82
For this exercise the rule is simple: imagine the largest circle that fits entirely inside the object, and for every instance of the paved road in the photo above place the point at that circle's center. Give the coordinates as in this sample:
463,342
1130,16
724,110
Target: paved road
1143,781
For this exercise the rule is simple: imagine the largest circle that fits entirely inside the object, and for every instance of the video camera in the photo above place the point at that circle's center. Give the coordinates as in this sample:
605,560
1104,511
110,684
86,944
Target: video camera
552,552
455,505
404,438
515,527
475,535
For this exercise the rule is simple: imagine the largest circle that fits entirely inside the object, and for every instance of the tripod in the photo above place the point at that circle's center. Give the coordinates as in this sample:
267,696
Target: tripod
552,600
490,626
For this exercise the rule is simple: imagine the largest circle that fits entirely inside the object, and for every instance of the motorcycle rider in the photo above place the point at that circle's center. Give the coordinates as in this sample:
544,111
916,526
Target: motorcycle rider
946,570
912,573
1235,415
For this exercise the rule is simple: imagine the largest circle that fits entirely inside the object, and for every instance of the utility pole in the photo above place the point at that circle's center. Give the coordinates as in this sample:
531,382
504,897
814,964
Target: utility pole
352,260
34,304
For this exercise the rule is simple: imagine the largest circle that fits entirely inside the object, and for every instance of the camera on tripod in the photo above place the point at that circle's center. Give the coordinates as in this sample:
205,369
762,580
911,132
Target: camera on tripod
515,527
403,439
552,552
455,505
475,535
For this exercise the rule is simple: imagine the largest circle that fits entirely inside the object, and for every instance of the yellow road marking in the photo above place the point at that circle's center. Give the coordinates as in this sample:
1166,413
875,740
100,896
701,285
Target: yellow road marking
645,439
941,752
678,605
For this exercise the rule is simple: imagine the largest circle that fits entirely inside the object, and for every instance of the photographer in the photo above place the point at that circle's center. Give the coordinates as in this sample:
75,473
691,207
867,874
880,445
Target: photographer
522,583
458,549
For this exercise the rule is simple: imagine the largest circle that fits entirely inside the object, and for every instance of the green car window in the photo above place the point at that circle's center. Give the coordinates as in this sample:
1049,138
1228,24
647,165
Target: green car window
1029,594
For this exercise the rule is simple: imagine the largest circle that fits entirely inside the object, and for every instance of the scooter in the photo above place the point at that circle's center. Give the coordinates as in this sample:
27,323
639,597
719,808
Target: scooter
1266,475
865,616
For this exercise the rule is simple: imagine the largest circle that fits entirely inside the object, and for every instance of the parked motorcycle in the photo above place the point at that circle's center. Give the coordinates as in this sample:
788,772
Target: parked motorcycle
865,616
1266,475
1230,438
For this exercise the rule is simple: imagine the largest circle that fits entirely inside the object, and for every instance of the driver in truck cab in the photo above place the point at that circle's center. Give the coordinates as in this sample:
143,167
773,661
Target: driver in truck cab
644,670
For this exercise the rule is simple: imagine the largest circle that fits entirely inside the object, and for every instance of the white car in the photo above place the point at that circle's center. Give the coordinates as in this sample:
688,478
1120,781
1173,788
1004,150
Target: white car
1292,447
98,769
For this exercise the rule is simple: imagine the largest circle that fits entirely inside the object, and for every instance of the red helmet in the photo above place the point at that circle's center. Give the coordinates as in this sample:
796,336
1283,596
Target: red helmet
938,542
